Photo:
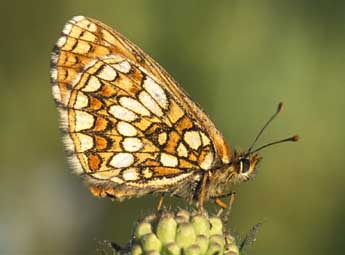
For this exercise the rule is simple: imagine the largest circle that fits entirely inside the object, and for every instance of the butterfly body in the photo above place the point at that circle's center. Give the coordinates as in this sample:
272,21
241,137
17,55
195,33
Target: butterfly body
129,129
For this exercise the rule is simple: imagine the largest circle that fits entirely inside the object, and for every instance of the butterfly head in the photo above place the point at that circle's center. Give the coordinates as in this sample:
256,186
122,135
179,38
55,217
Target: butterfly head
243,165
240,169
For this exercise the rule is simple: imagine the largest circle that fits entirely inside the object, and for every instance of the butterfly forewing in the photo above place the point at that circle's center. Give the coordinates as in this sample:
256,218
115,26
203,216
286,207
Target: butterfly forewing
129,128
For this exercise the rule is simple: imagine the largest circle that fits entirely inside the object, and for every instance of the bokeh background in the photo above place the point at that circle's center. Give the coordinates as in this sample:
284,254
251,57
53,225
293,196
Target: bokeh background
238,59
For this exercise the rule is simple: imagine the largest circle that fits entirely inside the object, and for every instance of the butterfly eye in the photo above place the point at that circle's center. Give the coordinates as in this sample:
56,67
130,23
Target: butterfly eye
245,165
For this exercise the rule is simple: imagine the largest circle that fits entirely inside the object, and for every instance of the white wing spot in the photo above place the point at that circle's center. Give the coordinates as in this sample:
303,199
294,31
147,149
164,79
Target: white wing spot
105,176
92,27
168,160
132,144
116,180
86,142
192,138
134,106
126,129
208,160
156,92
83,120
82,101
205,140
150,104
182,150
107,73
122,113
130,174
123,67
91,63
92,85
121,160
162,138
147,173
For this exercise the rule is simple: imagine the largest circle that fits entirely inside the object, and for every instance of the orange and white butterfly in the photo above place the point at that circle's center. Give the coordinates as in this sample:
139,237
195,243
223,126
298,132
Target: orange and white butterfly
129,128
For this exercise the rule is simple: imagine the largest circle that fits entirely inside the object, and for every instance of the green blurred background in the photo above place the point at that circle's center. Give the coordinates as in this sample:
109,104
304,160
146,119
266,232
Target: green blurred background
238,59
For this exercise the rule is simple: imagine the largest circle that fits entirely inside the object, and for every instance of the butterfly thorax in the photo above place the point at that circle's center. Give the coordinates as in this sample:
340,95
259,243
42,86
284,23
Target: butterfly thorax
240,169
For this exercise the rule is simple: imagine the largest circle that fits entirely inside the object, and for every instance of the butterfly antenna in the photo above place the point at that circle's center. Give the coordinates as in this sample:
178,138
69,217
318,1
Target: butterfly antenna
279,109
294,138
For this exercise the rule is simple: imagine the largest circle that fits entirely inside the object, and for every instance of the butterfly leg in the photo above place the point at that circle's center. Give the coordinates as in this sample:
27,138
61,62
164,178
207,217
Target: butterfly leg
202,193
220,203
226,208
160,203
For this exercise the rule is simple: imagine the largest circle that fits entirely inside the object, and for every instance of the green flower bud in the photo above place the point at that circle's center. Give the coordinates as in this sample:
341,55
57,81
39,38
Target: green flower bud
219,239
193,250
185,235
142,229
201,225
202,241
136,250
171,249
166,229
216,226
150,242
152,253
182,216
214,248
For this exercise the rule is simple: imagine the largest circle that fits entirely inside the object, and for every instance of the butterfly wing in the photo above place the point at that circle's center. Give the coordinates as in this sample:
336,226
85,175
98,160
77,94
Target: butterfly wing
129,128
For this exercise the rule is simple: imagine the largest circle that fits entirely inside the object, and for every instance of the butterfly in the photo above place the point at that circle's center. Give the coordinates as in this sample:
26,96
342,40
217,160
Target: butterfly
130,129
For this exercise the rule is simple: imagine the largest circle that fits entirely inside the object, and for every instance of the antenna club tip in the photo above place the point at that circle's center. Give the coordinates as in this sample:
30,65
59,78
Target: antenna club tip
295,138
280,107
